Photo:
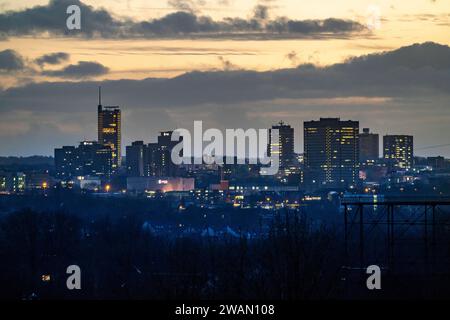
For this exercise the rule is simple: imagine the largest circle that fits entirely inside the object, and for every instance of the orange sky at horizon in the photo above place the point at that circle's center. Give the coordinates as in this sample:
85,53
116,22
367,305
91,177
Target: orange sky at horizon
401,24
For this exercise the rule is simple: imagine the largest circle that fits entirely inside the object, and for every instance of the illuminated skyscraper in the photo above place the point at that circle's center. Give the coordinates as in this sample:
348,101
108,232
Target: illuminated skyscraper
164,165
331,149
398,151
88,159
109,130
284,146
94,159
151,159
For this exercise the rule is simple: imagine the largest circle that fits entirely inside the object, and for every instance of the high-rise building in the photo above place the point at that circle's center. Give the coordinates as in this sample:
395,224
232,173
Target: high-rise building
164,165
94,159
103,162
331,149
151,156
135,159
284,145
85,154
66,162
109,130
369,146
398,151
88,159
153,159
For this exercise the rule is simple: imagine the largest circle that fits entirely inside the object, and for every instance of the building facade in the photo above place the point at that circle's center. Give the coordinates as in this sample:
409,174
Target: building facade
369,146
135,159
284,145
153,159
331,152
88,159
109,131
66,162
164,165
398,151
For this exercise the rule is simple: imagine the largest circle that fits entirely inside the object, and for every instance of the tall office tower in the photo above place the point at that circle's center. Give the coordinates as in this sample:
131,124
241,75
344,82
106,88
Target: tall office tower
164,165
85,157
331,149
151,156
284,146
66,162
369,146
135,159
88,159
109,130
103,162
398,151
94,159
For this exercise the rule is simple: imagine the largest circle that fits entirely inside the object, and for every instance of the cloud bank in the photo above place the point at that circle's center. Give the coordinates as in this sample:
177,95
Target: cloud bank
52,59
414,70
186,22
14,64
11,60
81,70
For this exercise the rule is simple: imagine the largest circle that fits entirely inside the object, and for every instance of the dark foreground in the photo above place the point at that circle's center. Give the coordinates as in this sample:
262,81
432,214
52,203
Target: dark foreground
126,254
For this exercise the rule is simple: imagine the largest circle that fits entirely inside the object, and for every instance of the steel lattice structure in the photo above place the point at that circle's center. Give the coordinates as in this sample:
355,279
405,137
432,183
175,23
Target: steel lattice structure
391,220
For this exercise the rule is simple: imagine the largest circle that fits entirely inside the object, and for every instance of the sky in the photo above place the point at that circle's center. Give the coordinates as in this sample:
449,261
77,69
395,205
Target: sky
232,64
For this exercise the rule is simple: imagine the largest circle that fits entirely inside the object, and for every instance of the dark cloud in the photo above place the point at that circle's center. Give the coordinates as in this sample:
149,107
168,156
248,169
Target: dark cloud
417,56
52,18
403,91
414,70
187,21
293,57
52,58
283,25
10,60
83,69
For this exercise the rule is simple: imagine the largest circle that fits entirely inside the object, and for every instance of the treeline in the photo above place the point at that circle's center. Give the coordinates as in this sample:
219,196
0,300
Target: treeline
122,260
122,257
26,161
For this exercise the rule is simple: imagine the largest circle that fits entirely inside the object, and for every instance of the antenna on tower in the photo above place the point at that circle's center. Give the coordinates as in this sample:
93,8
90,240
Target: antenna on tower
99,95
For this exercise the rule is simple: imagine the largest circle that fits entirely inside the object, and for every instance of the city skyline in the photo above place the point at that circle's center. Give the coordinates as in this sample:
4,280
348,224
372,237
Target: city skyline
333,63
115,120
223,157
